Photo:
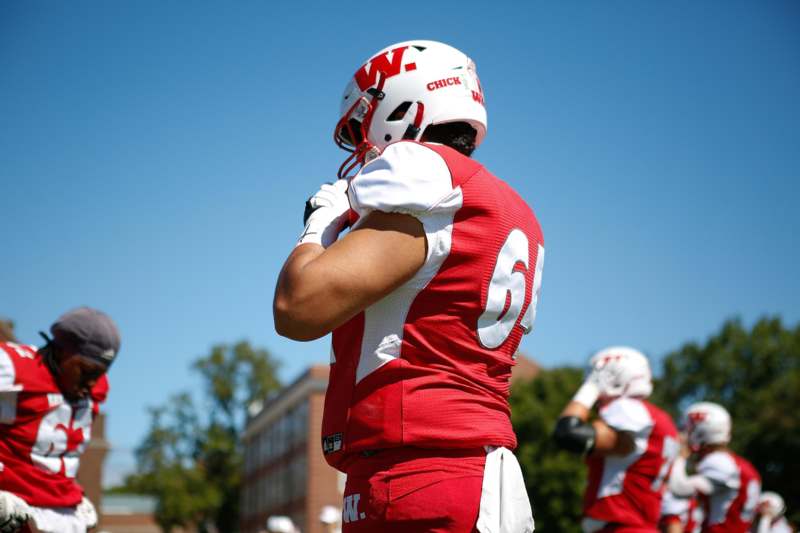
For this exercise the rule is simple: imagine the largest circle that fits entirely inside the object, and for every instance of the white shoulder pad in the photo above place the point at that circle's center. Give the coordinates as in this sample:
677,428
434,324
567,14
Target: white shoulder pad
673,505
720,468
8,373
627,414
407,178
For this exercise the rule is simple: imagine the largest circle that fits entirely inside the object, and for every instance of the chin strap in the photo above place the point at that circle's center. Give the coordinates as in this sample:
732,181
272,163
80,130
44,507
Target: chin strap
48,354
413,130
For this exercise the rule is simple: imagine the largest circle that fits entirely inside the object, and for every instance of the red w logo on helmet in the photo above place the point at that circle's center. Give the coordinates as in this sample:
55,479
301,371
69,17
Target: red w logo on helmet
368,74
696,417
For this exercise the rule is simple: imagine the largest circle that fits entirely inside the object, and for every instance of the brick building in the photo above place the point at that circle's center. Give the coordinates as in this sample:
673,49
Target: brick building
90,473
285,472
128,513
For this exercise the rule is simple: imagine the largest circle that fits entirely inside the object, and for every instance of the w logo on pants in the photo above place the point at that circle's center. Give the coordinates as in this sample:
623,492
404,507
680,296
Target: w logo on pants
350,513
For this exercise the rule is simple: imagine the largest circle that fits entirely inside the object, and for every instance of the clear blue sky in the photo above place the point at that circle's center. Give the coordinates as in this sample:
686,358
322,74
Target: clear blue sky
155,157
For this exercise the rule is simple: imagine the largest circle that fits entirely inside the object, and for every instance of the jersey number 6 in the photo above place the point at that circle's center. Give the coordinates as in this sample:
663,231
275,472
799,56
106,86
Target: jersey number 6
508,284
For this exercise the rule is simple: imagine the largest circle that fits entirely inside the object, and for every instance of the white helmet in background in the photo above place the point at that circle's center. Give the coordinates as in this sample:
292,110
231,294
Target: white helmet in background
621,371
402,90
707,423
772,503
280,524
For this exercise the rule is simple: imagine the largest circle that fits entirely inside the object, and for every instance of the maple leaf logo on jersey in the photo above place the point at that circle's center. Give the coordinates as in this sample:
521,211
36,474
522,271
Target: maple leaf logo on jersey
75,438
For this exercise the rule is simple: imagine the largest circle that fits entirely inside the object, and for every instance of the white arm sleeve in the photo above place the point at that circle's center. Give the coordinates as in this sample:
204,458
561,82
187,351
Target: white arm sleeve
684,486
407,178
412,179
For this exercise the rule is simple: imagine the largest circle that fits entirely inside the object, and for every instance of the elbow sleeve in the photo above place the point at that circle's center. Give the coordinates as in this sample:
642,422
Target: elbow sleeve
574,435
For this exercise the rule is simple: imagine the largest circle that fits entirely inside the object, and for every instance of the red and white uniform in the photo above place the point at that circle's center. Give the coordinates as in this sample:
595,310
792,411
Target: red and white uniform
419,381
41,434
685,511
731,507
429,365
624,492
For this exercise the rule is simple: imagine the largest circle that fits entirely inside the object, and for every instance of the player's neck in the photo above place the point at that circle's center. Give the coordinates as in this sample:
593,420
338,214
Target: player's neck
711,448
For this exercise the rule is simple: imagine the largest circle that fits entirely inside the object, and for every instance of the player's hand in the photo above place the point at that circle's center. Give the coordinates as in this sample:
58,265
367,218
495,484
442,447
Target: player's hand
87,513
326,214
14,512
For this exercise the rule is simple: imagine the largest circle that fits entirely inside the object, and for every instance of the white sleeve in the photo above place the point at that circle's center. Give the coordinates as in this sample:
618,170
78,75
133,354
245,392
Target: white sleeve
685,486
720,469
627,414
407,178
412,179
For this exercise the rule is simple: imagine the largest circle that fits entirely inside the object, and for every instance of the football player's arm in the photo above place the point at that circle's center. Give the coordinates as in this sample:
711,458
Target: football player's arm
672,526
575,433
321,288
683,485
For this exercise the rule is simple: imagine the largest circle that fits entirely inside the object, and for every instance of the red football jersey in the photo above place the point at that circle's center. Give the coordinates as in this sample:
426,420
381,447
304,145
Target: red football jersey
627,490
43,435
429,364
731,507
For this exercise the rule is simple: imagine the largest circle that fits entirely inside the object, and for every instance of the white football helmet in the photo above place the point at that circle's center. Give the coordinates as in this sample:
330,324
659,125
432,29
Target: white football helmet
621,371
707,423
772,503
402,90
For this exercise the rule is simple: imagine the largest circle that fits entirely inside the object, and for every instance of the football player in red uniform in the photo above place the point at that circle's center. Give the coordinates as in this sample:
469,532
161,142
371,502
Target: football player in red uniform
771,510
727,485
48,400
427,297
630,447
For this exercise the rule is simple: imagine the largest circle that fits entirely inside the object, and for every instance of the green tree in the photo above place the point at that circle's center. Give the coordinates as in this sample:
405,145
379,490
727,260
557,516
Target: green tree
555,479
755,374
193,463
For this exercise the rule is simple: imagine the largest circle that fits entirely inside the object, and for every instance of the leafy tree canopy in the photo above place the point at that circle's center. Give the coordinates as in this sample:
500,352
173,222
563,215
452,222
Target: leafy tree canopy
755,374
191,457
555,479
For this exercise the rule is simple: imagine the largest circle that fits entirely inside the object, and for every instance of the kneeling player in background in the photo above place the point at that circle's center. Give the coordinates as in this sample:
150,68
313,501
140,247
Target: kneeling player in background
48,400
630,447
727,485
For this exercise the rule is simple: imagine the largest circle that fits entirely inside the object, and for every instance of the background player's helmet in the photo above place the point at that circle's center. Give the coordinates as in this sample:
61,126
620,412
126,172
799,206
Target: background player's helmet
772,503
707,423
621,371
402,90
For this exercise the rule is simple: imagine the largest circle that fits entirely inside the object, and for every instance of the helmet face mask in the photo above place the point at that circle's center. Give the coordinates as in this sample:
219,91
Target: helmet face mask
402,90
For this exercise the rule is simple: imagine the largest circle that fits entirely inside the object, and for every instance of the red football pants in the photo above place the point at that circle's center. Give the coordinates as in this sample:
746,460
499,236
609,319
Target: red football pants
412,490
